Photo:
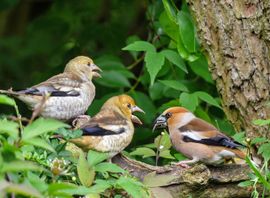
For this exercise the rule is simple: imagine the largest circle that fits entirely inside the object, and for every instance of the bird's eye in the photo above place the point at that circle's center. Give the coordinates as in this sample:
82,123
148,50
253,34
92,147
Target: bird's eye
89,64
168,115
129,106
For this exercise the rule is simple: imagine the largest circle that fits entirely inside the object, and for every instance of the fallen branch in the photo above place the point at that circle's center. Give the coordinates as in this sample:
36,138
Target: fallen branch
198,181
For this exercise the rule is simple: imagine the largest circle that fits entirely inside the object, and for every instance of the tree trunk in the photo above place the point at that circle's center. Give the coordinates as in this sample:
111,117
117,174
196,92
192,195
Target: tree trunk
236,37
199,181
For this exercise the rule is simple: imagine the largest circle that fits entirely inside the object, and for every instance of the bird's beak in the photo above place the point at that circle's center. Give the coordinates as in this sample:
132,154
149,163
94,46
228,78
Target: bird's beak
136,109
134,118
160,122
96,71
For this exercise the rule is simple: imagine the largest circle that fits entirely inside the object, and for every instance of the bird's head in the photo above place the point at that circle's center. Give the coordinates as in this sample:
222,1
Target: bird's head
84,67
171,116
126,105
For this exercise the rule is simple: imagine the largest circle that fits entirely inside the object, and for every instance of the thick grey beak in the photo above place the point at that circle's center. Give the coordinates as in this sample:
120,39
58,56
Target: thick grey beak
160,122
134,118
96,71
136,109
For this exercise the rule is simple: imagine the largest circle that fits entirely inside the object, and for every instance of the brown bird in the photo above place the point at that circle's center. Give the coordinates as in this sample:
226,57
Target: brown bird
63,96
197,139
111,130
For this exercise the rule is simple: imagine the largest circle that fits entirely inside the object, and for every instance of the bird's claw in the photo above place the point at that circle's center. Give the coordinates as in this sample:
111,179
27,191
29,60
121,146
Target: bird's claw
181,164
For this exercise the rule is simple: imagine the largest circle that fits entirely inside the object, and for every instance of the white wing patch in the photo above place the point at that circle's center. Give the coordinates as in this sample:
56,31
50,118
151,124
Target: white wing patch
115,127
194,135
226,153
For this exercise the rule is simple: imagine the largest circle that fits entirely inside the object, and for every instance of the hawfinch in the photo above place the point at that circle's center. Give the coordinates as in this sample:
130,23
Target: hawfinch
111,130
197,139
67,95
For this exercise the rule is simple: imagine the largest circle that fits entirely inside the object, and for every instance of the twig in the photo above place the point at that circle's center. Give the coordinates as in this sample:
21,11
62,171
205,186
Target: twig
40,107
131,66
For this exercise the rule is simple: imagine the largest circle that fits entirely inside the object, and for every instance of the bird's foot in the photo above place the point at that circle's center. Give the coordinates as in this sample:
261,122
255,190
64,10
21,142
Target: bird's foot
181,164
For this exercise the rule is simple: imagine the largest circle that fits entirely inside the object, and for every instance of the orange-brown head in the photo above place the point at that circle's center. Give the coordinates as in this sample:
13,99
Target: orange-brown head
169,116
83,66
126,105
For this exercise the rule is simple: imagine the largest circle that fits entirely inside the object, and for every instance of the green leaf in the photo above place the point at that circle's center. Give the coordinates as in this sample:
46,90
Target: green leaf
239,137
108,167
21,189
113,79
95,157
16,166
258,140
189,101
108,62
132,187
40,143
41,126
7,100
169,27
9,127
257,173
155,180
175,85
144,152
182,50
154,62
187,31
163,141
261,122
145,103
37,182
245,183
264,151
140,46
63,189
170,11
200,67
85,172
207,98
166,154
179,156
156,91
175,58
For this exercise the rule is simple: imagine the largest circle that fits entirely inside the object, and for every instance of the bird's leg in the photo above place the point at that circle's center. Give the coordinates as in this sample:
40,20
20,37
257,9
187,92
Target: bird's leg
39,108
184,163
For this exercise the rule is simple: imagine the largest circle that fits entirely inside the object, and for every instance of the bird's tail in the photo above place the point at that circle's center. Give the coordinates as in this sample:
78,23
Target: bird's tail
242,154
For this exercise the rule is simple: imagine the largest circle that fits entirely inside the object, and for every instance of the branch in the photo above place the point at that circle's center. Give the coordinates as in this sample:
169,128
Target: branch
198,181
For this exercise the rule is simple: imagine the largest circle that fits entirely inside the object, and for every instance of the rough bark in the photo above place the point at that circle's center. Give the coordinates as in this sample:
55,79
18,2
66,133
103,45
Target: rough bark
199,181
236,37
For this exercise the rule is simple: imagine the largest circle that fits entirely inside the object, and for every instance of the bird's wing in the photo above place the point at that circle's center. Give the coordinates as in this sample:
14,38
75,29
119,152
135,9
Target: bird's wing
105,123
64,84
202,132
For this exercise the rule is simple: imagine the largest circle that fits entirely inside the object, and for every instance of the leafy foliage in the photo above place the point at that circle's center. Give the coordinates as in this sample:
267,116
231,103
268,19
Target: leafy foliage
261,175
160,65
37,166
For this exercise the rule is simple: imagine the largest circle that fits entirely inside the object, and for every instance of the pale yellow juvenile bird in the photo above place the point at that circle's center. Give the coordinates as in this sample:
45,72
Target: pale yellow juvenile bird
63,96
112,129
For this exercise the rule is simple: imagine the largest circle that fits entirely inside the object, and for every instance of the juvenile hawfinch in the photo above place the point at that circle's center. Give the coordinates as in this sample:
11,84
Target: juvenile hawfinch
65,95
111,130
197,139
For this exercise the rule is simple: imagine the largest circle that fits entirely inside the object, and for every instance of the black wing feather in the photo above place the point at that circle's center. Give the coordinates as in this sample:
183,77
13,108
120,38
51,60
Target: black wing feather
99,131
215,141
51,91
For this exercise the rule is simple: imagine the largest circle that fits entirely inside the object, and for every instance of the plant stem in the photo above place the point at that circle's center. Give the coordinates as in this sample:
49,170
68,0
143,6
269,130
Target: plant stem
131,66
19,121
